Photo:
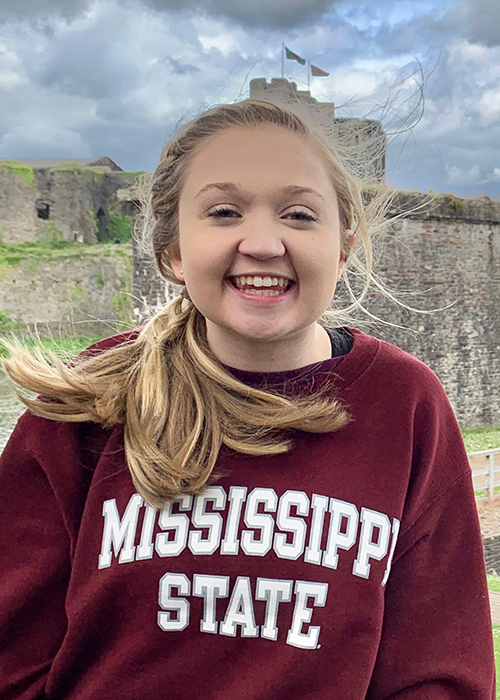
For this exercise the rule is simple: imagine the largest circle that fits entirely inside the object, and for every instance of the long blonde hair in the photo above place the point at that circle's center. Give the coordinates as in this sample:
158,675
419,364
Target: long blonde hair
177,403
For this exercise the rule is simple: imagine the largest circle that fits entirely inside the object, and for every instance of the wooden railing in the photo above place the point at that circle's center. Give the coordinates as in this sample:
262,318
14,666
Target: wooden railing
485,473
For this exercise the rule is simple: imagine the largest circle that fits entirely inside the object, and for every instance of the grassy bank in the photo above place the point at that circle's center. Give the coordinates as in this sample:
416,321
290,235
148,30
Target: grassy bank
64,347
496,646
84,283
51,245
477,439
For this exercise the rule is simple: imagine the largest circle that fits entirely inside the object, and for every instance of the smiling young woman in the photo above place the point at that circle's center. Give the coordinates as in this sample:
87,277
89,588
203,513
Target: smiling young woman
244,498
276,217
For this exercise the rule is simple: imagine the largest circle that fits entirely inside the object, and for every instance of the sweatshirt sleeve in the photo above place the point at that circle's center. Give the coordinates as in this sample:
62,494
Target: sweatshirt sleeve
34,573
437,637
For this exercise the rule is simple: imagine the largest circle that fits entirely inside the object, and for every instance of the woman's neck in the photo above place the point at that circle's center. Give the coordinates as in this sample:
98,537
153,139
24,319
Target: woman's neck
306,347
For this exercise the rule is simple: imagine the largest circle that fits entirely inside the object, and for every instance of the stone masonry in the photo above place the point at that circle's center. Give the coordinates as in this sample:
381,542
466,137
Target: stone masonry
69,200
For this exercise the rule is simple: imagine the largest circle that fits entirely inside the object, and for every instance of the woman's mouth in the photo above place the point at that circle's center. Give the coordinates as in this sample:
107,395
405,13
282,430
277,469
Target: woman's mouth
261,285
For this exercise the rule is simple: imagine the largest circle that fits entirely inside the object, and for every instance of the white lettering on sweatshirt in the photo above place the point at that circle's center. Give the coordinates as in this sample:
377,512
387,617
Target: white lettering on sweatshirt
201,524
319,529
239,618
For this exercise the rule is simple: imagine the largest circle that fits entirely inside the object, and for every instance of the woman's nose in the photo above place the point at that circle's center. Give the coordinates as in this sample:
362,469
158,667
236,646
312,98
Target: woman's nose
261,240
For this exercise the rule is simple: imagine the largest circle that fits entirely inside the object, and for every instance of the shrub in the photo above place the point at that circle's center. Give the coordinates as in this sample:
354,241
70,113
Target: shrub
455,203
7,325
120,227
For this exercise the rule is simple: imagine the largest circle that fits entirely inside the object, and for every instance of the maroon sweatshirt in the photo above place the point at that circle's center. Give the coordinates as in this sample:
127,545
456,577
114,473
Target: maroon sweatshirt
350,568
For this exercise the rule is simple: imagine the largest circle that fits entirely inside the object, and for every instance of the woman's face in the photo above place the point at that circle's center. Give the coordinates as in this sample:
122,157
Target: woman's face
259,236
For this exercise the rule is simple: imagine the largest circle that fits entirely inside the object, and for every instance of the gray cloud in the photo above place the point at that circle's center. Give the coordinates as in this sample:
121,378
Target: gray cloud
277,14
180,68
266,14
33,9
479,21
81,67
454,148
85,64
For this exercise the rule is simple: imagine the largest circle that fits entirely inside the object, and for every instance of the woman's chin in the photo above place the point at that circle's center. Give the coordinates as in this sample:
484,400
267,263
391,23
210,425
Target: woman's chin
259,334
253,331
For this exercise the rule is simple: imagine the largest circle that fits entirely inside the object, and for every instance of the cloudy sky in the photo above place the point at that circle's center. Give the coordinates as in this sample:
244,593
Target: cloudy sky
86,78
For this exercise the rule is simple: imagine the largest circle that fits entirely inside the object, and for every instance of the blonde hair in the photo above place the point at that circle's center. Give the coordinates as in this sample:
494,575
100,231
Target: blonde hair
177,403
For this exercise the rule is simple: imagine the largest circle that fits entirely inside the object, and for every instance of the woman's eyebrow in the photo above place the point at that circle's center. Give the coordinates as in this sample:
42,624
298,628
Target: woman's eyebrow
223,186
298,189
232,187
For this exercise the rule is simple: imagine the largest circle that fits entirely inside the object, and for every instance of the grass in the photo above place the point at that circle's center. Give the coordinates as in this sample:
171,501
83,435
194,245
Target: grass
13,255
477,439
455,203
481,493
121,227
496,647
64,347
23,171
80,168
493,582
131,175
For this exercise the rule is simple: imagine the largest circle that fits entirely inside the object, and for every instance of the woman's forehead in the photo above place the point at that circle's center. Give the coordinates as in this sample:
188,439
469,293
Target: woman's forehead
264,154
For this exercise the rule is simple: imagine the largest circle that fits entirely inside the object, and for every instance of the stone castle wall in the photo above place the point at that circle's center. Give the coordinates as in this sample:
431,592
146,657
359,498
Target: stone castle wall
492,554
448,252
87,293
445,253
73,202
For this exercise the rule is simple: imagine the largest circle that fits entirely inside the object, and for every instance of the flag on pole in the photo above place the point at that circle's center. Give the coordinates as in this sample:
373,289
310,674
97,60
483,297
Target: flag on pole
317,72
294,56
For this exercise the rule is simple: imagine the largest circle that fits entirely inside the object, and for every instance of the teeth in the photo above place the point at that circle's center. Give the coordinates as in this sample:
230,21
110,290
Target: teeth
258,281
263,292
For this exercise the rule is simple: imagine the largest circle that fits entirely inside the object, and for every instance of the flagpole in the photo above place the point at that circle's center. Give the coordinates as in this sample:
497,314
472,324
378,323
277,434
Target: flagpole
309,75
282,59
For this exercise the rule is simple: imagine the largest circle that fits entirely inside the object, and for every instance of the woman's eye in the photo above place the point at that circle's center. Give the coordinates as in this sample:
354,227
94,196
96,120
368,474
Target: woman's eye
223,212
301,216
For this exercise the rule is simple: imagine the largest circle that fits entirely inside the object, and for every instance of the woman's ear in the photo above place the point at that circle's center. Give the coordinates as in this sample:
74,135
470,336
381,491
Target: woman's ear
349,238
176,264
